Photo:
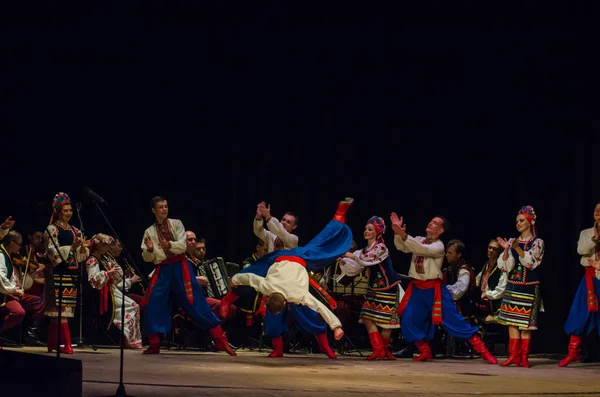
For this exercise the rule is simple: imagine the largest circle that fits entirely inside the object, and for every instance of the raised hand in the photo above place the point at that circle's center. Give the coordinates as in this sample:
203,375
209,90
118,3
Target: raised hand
503,243
8,223
264,210
149,243
398,225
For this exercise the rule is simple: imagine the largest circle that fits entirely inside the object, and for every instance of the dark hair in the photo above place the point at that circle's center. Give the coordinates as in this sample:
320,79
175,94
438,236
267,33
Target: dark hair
294,215
156,200
460,246
445,222
260,242
201,240
275,303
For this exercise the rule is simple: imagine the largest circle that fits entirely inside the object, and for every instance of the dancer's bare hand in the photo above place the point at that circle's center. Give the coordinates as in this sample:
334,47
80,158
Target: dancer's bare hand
149,243
202,280
503,243
398,225
7,224
594,263
338,333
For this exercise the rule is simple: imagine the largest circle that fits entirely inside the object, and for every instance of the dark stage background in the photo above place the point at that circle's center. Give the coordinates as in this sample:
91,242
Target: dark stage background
218,106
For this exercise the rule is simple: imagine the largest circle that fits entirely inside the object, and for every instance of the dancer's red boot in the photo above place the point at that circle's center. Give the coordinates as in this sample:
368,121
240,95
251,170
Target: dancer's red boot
340,214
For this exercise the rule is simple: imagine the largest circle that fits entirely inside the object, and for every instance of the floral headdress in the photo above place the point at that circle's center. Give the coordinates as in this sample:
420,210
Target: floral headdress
529,213
379,224
60,199
100,239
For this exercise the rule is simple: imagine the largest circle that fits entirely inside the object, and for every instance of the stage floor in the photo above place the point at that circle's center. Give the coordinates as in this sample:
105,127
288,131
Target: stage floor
189,373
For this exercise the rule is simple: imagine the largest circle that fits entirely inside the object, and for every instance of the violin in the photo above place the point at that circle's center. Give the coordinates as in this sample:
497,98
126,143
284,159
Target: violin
21,261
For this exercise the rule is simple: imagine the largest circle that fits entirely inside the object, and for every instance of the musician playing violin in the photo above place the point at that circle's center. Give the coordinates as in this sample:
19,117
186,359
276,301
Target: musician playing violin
14,302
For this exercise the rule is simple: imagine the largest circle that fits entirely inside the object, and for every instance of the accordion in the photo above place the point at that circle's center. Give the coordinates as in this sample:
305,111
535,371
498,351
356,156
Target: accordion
216,272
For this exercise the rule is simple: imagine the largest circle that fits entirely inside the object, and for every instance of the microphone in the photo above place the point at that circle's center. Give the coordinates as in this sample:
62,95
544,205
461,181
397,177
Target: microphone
94,196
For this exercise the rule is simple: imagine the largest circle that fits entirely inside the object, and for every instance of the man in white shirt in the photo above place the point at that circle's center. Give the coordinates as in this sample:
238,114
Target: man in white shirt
425,303
279,235
164,244
15,303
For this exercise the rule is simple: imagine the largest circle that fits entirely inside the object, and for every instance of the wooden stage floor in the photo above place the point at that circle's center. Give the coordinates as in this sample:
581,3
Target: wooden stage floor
188,373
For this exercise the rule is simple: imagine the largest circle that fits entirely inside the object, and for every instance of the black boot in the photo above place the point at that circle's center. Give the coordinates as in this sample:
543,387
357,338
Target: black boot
32,338
406,352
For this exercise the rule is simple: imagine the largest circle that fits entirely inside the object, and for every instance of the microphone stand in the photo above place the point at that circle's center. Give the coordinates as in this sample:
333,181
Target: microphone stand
60,293
81,277
121,388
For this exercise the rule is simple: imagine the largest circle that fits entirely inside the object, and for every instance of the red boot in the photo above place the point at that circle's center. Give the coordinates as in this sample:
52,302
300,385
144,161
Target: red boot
514,357
340,214
480,348
377,343
425,350
226,303
574,351
525,353
221,340
324,345
277,347
154,347
386,347
65,336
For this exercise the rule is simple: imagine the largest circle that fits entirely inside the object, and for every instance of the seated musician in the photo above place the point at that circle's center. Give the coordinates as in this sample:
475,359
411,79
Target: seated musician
14,302
196,254
283,277
105,275
132,279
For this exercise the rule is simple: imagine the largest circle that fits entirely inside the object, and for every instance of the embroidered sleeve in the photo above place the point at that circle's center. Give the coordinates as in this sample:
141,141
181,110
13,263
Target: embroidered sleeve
55,251
377,254
434,250
509,264
533,257
458,289
97,278
82,252
498,292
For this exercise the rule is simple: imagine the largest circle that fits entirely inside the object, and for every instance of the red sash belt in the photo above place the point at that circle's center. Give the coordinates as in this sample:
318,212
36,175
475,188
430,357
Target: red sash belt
592,297
332,303
436,285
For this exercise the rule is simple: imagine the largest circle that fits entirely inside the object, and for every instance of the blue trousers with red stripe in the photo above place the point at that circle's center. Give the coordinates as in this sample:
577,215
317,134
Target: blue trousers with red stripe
416,320
157,314
580,320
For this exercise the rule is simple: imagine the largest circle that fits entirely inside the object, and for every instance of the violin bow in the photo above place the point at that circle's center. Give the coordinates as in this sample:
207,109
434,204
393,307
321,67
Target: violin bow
26,271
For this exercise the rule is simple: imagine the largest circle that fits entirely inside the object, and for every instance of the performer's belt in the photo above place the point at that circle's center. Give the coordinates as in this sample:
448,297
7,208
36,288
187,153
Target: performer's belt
436,285
320,290
592,297
173,259
187,278
296,259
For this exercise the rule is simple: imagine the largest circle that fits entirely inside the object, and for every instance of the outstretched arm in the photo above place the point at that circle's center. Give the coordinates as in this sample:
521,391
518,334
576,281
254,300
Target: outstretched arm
330,318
